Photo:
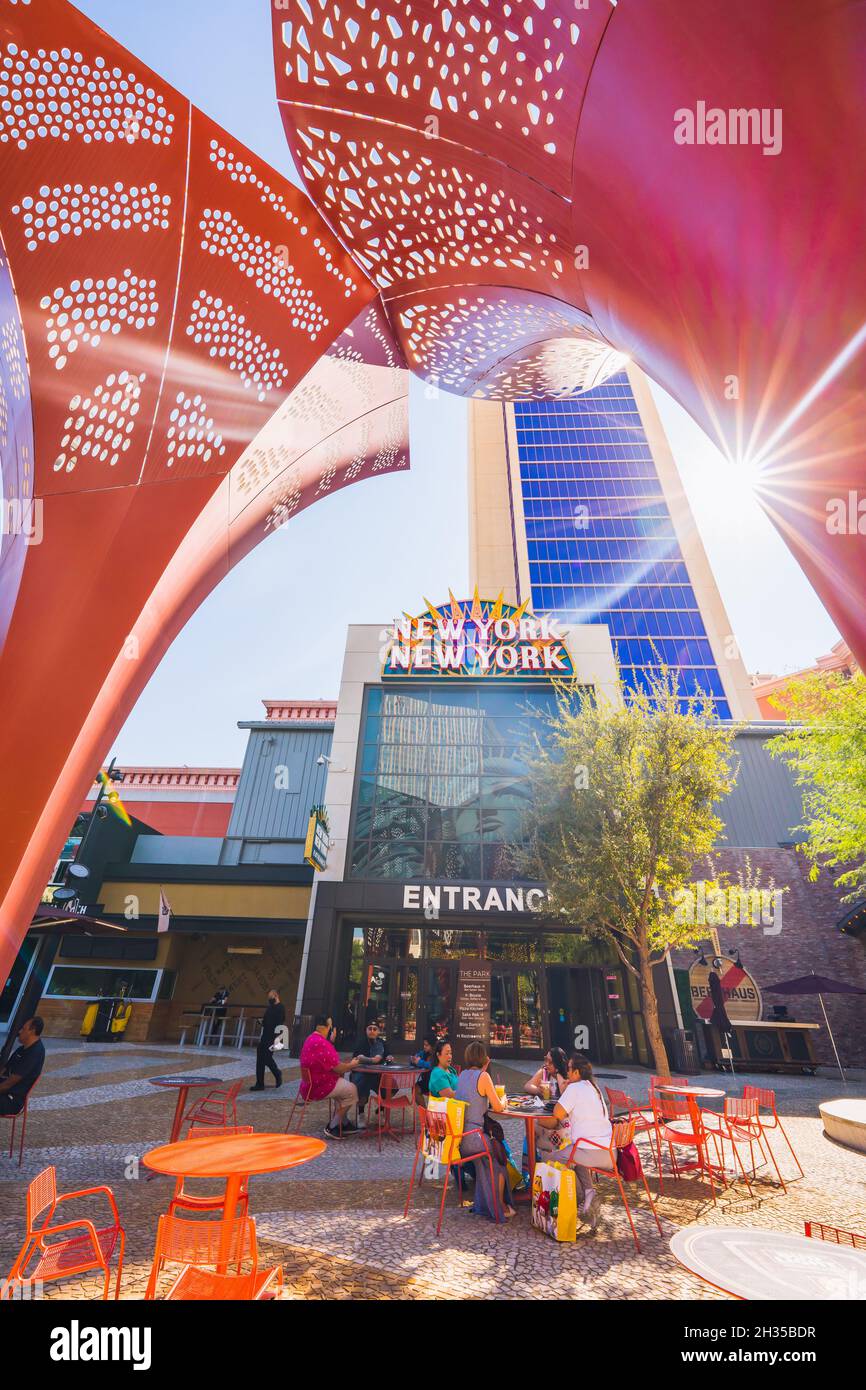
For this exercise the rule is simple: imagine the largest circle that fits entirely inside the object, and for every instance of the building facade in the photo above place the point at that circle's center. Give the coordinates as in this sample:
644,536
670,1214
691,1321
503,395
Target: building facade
239,899
426,787
577,505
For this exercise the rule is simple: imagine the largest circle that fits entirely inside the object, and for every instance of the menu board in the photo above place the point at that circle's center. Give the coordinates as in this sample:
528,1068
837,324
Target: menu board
472,1011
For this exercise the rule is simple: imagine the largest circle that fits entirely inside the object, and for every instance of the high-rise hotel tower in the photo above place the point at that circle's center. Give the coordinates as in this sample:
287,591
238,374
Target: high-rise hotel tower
577,505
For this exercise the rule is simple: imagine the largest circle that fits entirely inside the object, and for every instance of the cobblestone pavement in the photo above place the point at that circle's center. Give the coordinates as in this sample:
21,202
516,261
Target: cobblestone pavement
336,1225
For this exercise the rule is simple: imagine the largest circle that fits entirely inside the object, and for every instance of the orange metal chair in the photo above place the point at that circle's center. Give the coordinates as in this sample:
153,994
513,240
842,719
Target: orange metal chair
396,1095
738,1124
680,1125
73,1255
622,1135
201,1285
183,1242
644,1119
656,1081
193,1201
816,1231
217,1108
436,1129
767,1101
22,1116
304,1101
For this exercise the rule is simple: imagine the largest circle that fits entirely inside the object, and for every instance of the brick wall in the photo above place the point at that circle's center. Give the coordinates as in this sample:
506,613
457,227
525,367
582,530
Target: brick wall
808,941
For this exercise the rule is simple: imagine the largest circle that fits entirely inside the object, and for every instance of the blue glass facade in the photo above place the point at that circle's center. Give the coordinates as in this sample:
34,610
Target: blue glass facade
601,542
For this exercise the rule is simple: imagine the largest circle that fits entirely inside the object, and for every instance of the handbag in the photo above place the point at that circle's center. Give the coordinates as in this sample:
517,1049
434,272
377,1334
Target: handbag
628,1162
496,1134
446,1147
554,1201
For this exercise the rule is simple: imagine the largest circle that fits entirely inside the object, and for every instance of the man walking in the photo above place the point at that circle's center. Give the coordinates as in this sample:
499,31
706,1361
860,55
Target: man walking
274,1018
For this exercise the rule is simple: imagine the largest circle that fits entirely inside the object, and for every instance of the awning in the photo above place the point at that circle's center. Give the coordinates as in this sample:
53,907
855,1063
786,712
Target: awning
48,918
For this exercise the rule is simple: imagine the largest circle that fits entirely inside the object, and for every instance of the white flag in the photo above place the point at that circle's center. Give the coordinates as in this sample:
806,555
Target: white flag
164,912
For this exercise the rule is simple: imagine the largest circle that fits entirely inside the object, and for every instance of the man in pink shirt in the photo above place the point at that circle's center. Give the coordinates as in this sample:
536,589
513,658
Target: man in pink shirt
328,1078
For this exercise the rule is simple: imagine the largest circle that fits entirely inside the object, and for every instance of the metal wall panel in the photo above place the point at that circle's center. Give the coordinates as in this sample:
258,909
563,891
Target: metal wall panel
280,781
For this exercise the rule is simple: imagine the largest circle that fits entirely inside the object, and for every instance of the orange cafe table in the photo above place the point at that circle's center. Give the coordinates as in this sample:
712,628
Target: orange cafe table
233,1157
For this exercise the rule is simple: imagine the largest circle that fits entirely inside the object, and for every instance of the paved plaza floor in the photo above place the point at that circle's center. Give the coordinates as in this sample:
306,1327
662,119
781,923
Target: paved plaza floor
336,1224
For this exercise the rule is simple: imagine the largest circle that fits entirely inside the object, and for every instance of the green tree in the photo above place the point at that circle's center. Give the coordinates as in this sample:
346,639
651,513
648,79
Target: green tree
624,804
827,752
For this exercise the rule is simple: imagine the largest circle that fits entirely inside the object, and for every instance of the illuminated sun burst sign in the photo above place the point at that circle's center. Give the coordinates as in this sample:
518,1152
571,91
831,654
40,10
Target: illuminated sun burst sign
471,638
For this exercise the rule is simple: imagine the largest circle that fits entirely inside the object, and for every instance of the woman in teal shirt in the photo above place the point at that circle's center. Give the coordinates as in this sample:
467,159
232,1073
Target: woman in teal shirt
443,1077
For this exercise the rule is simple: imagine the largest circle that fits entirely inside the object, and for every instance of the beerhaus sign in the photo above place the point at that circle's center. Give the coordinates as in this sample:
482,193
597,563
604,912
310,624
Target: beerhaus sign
742,996
471,638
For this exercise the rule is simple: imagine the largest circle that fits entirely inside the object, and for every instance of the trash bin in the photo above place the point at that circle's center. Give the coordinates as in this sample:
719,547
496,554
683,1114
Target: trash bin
683,1051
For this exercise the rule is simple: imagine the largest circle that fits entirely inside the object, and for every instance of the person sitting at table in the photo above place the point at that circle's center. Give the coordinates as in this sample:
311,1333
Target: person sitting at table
553,1071
23,1069
372,1050
583,1109
476,1088
328,1080
425,1057
443,1076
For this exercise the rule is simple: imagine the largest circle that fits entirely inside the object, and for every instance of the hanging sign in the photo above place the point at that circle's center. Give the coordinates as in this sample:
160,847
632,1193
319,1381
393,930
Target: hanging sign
318,838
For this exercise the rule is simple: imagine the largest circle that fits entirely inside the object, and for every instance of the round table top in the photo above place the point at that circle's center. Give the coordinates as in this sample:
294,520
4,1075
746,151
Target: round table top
233,1155
692,1090
525,1110
764,1264
186,1081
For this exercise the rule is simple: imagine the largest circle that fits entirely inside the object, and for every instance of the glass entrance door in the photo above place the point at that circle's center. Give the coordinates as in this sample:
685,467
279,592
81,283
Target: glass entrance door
391,991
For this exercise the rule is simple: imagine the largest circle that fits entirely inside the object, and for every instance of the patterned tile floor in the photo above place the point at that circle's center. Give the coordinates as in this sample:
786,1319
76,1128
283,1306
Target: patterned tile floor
336,1225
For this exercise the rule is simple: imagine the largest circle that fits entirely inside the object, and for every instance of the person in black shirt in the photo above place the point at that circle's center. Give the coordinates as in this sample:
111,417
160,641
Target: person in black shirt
372,1047
274,1018
23,1069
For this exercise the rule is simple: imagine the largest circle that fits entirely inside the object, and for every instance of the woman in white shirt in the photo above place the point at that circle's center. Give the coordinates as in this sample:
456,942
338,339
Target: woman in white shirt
583,1111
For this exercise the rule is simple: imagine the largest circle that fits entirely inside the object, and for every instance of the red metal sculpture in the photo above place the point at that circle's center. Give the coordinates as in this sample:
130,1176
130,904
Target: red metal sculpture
166,300
536,183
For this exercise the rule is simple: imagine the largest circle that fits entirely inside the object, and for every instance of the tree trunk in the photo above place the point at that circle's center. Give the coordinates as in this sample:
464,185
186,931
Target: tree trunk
651,1013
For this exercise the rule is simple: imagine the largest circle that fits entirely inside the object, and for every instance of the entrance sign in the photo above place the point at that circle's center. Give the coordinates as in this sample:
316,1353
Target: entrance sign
470,638
472,1010
318,838
742,996
464,897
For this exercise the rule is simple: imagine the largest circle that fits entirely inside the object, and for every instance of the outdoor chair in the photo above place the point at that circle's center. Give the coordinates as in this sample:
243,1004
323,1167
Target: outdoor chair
201,1285
217,1108
624,1106
815,1230
436,1137
396,1095
622,1135
656,1081
193,1201
303,1101
767,1101
183,1242
91,1249
22,1116
738,1124
680,1125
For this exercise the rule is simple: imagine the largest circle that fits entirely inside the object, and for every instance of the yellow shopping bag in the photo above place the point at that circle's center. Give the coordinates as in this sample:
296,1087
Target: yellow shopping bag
446,1148
554,1201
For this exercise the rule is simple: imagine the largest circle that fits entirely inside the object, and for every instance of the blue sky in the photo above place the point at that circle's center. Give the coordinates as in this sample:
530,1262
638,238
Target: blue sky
276,626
